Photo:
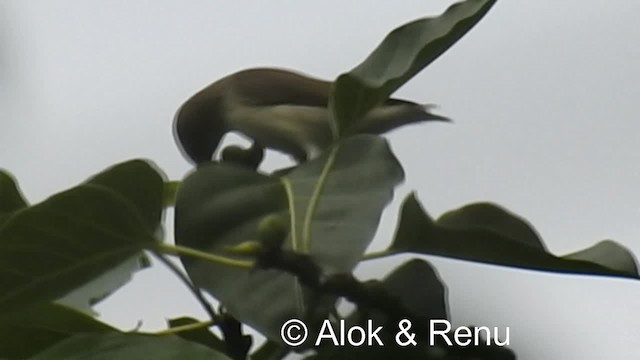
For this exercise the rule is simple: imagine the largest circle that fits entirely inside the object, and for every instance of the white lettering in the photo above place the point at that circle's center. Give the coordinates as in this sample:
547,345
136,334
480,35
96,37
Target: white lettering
326,326
506,337
355,335
478,336
362,336
464,336
458,334
433,332
373,334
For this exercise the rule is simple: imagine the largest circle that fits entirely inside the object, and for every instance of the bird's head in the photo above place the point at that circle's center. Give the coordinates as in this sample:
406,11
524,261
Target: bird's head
199,126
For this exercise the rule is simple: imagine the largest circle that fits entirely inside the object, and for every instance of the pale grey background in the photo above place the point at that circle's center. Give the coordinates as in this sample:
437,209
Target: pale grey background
543,94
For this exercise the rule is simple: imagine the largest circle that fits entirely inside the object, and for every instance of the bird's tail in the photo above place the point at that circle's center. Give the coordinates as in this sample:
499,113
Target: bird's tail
394,114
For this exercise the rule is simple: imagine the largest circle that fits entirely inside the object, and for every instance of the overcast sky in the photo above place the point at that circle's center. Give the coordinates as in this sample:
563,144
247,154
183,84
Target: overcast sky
543,93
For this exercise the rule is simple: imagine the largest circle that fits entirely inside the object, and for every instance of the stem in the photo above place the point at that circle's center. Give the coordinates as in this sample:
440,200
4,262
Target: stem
235,342
378,254
195,291
183,250
169,191
179,329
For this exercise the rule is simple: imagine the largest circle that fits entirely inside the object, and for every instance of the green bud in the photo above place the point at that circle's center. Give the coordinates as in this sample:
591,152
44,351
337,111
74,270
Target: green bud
245,248
272,230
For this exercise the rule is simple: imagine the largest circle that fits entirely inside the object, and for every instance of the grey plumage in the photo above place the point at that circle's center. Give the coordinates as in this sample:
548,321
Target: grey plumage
278,109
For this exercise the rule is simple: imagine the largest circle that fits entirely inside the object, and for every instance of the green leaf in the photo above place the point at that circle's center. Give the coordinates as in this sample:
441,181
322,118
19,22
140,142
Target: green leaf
128,347
88,295
402,54
494,218
332,216
336,201
52,248
419,287
418,233
30,331
141,183
610,254
11,199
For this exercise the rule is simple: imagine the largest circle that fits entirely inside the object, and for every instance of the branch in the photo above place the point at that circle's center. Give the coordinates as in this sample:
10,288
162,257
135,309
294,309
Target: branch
366,295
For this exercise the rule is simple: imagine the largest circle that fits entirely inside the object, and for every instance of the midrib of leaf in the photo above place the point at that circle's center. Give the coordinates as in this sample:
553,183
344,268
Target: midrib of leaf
303,246
294,240
292,211
310,211
315,197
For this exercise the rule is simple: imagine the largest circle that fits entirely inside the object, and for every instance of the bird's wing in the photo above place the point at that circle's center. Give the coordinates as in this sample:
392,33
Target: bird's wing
272,86
394,101
268,87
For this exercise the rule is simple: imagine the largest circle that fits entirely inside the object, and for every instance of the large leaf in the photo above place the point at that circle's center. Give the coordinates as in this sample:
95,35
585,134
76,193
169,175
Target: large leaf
418,233
30,331
11,199
494,218
336,202
610,254
418,288
88,295
333,204
51,248
128,347
141,183
401,55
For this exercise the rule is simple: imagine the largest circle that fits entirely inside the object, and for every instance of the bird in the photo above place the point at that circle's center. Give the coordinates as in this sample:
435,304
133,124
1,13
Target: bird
278,109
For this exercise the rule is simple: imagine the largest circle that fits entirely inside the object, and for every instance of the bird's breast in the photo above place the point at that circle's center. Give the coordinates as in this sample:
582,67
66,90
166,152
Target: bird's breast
293,129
